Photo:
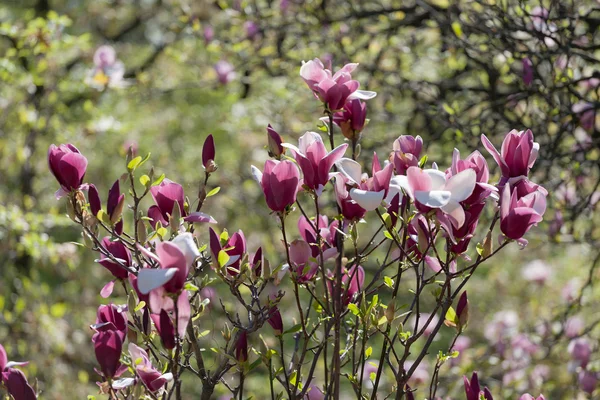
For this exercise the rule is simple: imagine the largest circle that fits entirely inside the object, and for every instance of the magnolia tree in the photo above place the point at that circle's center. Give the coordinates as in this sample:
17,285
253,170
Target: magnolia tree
359,325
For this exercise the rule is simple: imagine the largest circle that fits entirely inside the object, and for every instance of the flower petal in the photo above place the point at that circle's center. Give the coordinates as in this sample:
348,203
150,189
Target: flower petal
462,184
151,278
433,198
366,199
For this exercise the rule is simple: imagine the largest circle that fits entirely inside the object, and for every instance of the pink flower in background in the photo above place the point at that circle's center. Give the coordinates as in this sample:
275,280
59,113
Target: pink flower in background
251,29
275,321
351,210
356,277
114,204
527,71
68,166
518,153
225,72
574,326
332,89
166,195
588,380
586,113
537,271
121,253
279,183
527,396
580,351
108,70
208,33
407,151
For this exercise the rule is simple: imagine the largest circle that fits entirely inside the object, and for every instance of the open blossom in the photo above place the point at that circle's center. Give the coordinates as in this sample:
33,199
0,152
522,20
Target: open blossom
519,214
153,379
518,153
588,380
326,231
580,351
14,380
314,160
407,150
474,391
332,89
68,166
477,163
527,396
431,189
350,209
353,281
369,193
112,317
279,182
119,251
586,113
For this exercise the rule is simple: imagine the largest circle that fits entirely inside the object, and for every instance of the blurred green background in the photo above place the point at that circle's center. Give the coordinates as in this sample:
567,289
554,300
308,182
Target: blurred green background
448,71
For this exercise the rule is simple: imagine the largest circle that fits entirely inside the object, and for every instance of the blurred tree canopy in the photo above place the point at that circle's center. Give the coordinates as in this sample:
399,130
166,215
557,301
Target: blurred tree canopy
446,70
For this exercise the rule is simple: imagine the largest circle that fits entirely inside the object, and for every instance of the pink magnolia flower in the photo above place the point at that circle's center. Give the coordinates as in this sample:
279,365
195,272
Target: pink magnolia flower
225,72
473,390
111,318
252,29
121,253
477,163
431,189
300,254
351,210
588,380
208,154
235,249
352,118
68,166
208,33
279,183
165,328
537,271
275,320
527,71
353,281
369,193
275,143
325,230
14,380
518,153
314,160
108,345
167,195
574,326
518,215
332,89
241,347
108,70
407,150
152,378
114,204
461,237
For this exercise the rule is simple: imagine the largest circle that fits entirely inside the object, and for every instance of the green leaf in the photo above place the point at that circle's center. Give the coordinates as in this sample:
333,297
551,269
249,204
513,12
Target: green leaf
387,235
158,180
389,282
451,318
353,309
368,352
133,164
191,287
294,329
448,109
214,191
144,180
457,29
222,258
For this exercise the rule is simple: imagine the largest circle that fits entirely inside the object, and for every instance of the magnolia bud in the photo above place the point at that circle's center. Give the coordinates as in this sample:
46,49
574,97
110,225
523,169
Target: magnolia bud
141,231
390,311
118,211
274,140
462,310
488,245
